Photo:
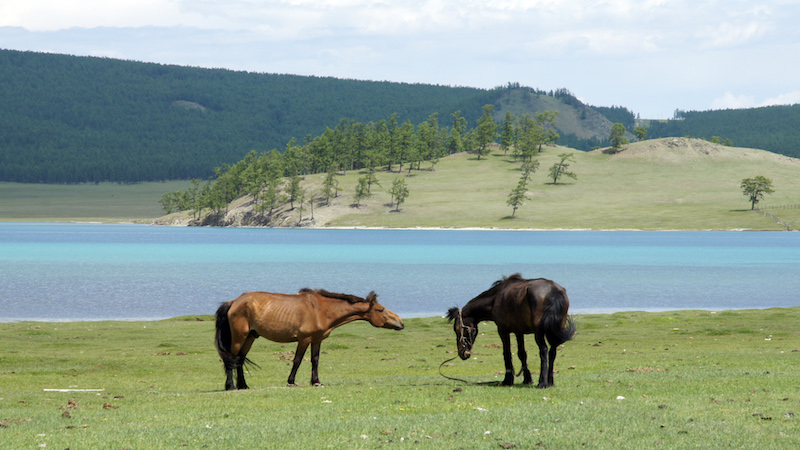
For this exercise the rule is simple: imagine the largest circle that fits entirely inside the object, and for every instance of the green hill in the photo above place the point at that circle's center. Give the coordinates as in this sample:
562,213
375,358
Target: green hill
664,184
68,119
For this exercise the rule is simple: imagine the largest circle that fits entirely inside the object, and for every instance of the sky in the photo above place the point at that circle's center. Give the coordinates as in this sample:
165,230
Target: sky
650,56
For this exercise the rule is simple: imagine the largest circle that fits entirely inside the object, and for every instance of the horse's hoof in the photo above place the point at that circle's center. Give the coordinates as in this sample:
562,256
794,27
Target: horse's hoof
291,385
318,384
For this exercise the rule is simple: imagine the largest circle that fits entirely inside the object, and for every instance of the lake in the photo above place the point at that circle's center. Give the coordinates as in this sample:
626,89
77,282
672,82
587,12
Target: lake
56,272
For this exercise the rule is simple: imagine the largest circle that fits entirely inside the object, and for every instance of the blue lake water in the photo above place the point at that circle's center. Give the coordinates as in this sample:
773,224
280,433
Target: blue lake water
102,271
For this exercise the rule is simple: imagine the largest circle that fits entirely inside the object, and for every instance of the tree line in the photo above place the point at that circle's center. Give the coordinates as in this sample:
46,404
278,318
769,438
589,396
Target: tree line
274,178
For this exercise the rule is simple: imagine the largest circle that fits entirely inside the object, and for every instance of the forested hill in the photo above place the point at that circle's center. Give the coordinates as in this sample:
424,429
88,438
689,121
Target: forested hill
69,119
77,119
773,128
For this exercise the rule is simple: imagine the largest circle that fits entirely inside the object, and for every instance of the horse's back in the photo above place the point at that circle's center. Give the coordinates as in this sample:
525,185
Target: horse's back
523,303
277,317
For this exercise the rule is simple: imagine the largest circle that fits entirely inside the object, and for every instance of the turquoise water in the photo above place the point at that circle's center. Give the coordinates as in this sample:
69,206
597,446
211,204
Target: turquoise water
94,271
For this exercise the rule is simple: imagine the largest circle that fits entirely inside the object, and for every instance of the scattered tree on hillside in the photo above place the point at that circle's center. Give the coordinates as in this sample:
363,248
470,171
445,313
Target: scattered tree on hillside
529,136
640,132
312,197
547,120
518,196
617,137
507,133
755,188
404,147
330,185
301,201
362,190
271,197
560,168
486,132
455,140
294,190
528,168
399,192
371,179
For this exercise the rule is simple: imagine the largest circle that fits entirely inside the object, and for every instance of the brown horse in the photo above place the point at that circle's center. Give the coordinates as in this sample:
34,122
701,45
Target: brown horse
521,307
306,318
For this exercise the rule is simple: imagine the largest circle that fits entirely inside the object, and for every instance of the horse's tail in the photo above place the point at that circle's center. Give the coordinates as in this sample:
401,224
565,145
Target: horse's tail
223,339
558,326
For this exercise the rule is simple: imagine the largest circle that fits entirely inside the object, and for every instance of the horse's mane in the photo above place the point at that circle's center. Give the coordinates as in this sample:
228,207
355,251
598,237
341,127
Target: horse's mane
500,284
347,297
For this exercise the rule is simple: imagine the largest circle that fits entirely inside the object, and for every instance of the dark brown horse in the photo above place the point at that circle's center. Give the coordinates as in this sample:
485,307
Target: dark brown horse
306,318
521,307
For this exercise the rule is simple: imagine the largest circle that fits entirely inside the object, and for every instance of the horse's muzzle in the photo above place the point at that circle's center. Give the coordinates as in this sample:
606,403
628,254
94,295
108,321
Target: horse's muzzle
465,354
394,324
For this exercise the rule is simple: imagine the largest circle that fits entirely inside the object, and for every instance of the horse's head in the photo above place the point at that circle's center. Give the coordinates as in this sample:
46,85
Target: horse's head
380,316
466,331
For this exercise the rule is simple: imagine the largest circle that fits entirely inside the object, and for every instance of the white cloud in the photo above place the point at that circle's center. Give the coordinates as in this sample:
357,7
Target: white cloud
677,53
731,35
51,15
731,101
789,98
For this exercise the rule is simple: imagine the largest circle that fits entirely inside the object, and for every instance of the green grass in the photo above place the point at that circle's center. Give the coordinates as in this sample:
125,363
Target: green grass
104,202
609,193
688,378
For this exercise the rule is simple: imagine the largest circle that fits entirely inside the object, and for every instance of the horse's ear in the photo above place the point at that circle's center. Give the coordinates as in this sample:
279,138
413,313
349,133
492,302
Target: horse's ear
372,297
452,314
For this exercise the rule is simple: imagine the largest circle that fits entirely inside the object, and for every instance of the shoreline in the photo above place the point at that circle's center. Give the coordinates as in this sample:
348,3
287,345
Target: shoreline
580,312
149,222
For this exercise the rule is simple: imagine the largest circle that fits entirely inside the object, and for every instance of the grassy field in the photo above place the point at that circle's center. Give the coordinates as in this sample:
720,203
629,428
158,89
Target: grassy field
104,202
628,380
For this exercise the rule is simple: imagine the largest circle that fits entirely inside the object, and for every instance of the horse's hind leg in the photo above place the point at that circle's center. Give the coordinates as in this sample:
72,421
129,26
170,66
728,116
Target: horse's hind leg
523,358
553,349
543,370
229,367
241,358
315,363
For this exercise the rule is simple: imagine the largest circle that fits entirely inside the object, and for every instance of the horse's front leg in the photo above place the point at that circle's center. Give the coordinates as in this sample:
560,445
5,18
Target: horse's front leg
506,338
523,358
298,358
315,346
543,382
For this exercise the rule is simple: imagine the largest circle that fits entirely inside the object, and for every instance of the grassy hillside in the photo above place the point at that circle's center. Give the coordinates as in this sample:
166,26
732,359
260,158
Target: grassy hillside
665,184
686,379
660,184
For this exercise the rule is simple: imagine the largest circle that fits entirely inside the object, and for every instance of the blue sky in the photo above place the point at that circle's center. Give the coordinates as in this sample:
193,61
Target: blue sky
651,56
